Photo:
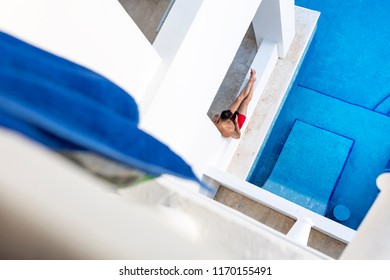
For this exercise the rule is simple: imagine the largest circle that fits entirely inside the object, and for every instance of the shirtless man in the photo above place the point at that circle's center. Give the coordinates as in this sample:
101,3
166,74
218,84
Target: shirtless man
230,121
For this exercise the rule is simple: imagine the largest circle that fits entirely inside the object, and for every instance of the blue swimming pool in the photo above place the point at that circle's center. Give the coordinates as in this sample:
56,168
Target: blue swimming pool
342,87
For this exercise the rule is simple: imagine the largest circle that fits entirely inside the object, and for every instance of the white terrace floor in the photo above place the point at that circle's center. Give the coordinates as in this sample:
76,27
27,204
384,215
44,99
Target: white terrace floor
262,118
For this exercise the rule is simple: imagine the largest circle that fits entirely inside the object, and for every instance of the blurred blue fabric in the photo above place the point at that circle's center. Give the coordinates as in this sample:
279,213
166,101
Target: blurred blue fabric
65,107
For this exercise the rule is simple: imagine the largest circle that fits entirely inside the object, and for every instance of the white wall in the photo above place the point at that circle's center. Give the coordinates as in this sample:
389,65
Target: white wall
168,42
175,27
98,34
287,16
178,114
275,21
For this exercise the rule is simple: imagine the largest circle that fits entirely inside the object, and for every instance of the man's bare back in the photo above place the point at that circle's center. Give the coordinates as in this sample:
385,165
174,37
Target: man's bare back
227,127
230,121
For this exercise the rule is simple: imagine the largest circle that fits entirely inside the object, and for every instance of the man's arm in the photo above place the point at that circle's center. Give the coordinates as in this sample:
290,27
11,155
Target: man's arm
236,134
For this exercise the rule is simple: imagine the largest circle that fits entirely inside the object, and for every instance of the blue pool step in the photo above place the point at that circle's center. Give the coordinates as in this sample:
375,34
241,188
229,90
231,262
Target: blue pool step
309,166
383,106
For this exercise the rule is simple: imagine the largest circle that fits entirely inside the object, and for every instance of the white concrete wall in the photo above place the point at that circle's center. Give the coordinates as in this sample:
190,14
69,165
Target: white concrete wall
275,21
178,114
175,27
98,34
287,16
168,42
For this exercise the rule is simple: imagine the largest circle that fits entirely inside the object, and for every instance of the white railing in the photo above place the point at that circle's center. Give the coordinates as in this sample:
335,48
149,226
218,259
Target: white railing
281,205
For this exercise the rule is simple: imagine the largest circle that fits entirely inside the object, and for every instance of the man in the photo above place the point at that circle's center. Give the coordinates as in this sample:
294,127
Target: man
230,122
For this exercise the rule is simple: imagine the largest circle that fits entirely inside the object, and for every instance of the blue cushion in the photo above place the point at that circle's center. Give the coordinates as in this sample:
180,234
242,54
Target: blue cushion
65,106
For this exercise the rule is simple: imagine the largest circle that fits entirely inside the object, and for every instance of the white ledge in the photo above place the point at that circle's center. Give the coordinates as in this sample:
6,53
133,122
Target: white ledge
280,204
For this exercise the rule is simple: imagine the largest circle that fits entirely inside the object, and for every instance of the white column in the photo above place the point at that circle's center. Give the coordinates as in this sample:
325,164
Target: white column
197,61
275,21
168,42
171,35
301,230
372,238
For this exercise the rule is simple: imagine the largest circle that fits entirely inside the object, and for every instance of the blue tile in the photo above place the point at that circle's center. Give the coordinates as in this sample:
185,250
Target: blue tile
309,166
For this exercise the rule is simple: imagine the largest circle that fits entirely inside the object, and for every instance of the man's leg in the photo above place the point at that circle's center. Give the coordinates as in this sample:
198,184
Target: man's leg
242,101
244,94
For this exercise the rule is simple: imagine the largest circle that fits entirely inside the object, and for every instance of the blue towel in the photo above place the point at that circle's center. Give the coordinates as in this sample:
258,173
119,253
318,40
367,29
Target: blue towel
67,107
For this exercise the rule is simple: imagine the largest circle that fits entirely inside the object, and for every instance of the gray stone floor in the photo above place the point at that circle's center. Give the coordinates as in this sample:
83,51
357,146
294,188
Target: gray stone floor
235,75
146,14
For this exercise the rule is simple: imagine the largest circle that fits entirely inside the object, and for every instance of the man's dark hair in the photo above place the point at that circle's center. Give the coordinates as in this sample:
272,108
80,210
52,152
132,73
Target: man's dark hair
227,114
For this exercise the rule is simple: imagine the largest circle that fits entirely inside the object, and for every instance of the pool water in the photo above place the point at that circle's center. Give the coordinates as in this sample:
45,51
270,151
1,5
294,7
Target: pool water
343,87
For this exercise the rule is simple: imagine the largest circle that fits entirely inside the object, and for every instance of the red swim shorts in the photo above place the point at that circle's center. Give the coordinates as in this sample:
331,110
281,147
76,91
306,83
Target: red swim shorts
240,120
